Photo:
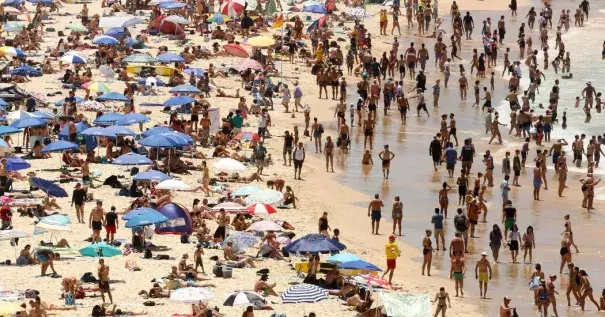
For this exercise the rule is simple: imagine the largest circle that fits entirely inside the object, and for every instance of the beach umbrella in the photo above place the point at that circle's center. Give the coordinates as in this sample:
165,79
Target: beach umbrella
77,27
232,8
48,187
26,70
261,209
119,21
140,58
387,3
171,5
245,190
12,27
219,18
119,130
147,218
132,159
184,89
317,24
28,123
8,130
192,295
3,144
133,118
60,220
240,240
14,164
265,225
365,280
248,136
41,1
270,7
343,258
11,10
247,298
195,71
105,40
151,81
73,59
173,184
314,7
178,101
260,41
60,102
170,58
303,293
108,118
95,131
92,105
116,32
314,243
359,13
162,141
13,234
229,165
100,250
248,63
96,86
42,227
19,114
113,96
177,19
13,3
59,146
236,50
151,176
9,308
156,130
139,210
44,114
229,207
359,265
265,196
11,51
3,103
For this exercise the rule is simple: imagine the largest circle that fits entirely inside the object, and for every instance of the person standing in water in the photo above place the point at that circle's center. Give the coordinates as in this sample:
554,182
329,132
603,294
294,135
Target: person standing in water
374,211
397,214
568,229
386,156
483,273
537,180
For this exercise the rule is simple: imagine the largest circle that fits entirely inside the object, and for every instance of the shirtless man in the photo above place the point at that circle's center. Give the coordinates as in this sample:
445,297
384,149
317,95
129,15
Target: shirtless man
483,273
410,56
386,156
537,180
339,112
555,152
588,93
276,184
368,128
452,127
505,310
104,281
496,131
96,220
205,124
374,211
195,118
457,271
223,220
457,244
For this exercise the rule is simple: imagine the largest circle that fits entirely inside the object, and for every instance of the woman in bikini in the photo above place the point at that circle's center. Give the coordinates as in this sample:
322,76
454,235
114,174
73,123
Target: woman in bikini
529,243
441,298
565,251
427,251
443,199
574,283
586,291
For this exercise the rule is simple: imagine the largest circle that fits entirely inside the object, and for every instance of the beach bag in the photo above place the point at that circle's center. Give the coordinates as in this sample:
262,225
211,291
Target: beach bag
31,293
184,238
88,278
69,300
149,303
320,129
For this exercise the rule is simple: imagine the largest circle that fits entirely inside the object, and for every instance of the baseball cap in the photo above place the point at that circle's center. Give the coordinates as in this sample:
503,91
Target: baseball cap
392,237
506,298
484,253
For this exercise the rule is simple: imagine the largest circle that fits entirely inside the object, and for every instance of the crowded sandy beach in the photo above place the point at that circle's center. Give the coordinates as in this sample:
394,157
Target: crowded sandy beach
266,158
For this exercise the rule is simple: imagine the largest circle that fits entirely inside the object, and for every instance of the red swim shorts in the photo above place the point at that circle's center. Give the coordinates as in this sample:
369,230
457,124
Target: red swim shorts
391,263
110,229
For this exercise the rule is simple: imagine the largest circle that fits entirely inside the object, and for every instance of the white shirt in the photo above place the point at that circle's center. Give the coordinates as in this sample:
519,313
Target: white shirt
262,123
298,153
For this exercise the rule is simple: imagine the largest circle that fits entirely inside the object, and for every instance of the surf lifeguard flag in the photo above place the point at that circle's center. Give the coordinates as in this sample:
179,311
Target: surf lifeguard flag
279,22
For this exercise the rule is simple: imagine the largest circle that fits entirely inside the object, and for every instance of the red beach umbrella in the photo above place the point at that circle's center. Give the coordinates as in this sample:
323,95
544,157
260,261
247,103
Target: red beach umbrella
248,63
232,8
236,50
249,136
261,209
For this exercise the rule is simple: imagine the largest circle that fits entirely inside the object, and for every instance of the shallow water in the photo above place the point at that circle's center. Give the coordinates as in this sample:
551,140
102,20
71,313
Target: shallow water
412,177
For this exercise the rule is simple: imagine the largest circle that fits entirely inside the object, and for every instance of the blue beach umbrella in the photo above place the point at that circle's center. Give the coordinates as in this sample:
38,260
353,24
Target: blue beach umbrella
132,159
197,72
28,122
171,5
133,118
151,176
314,243
178,101
245,190
136,211
143,219
94,131
100,250
116,32
48,187
119,130
105,40
4,144
60,102
14,164
152,131
162,141
59,146
8,130
3,103
13,3
241,240
170,58
184,89
41,1
44,115
180,137
112,96
108,118
314,7
359,265
343,258
73,59
59,220
26,70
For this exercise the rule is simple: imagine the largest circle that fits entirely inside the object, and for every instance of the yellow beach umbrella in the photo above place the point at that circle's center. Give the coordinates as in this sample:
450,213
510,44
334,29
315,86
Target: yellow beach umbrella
8,308
260,41
96,86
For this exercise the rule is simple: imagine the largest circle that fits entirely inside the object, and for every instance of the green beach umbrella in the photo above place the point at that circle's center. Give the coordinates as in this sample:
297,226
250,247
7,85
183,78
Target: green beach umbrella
78,27
270,8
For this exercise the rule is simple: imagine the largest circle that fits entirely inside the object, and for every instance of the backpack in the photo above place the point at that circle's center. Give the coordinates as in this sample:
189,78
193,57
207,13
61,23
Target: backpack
460,222
320,129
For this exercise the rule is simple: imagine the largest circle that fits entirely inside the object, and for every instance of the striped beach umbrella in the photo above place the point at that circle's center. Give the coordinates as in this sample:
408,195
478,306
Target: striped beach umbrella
241,240
248,136
303,293
244,298
96,86
73,59
232,8
11,51
261,209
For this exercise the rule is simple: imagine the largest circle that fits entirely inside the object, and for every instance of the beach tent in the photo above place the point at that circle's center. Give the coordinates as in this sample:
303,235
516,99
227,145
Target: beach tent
166,28
91,141
404,305
179,220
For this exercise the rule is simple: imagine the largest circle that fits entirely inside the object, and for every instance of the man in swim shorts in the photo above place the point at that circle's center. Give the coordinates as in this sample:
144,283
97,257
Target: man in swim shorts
458,268
386,156
483,273
374,211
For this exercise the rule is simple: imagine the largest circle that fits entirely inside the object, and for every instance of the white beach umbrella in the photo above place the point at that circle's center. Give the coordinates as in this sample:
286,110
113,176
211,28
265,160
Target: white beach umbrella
229,165
192,295
229,206
49,227
264,196
265,225
177,19
13,234
173,184
20,114
119,22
